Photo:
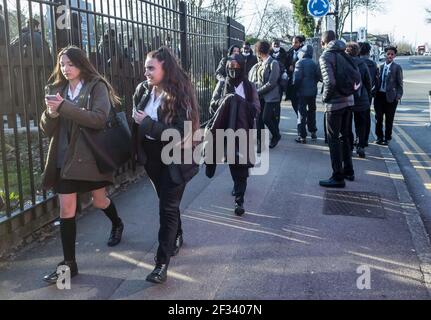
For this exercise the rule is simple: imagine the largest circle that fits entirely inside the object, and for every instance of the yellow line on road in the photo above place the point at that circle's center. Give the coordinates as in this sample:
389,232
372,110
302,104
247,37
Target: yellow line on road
418,154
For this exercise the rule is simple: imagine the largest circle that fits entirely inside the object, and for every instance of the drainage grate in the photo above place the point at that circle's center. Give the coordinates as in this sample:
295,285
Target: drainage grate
351,203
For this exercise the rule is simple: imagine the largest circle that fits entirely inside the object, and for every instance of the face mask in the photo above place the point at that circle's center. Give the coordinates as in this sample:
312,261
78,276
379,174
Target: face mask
246,53
276,49
234,73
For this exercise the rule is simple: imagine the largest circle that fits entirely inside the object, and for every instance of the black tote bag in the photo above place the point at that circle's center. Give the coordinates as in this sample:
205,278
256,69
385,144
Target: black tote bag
111,146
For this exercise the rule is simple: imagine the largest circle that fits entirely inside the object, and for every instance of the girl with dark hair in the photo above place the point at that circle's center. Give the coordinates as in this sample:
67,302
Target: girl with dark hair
235,105
221,69
166,100
77,96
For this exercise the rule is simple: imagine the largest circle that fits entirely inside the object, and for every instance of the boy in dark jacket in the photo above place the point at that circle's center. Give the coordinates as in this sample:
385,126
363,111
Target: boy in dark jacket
305,80
389,93
338,112
248,55
365,49
362,101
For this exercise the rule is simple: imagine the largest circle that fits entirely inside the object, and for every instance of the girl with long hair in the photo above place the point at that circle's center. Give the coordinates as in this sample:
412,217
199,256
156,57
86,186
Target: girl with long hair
77,96
166,100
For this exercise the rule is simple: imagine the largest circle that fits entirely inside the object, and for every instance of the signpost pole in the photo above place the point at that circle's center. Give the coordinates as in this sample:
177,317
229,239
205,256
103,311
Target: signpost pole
337,18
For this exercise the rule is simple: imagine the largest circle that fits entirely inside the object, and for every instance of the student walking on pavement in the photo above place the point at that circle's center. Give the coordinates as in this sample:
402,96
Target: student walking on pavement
249,57
365,50
362,101
306,76
338,100
278,53
292,58
235,106
221,68
265,75
166,100
78,97
389,93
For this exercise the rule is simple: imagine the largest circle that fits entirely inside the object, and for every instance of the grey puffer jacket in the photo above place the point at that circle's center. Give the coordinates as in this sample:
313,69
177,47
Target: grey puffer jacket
332,98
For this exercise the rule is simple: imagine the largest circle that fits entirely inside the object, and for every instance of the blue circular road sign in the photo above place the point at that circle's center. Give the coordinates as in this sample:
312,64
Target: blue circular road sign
318,8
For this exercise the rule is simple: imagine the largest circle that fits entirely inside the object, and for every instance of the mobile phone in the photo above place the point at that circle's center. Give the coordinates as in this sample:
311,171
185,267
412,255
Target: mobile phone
51,97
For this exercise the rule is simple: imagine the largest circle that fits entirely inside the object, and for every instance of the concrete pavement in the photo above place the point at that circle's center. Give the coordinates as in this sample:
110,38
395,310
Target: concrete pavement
284,247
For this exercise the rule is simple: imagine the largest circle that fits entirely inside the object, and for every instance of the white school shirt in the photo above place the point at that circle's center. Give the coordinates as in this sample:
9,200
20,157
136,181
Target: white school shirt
152,106
240,90
386,69
72,96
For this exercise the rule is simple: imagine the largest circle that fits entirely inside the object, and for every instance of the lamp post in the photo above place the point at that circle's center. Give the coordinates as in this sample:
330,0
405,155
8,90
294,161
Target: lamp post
366,23
337,19
351,20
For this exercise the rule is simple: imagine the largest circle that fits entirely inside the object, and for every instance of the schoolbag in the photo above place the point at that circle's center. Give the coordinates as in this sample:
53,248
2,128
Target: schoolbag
281,81
347,75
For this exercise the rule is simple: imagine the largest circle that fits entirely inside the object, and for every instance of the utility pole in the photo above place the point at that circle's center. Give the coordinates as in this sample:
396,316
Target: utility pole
366,23
351,20
337,18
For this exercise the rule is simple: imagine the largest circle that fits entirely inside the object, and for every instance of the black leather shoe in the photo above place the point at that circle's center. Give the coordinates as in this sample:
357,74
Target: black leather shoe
350,177
386,142
313,136
210,170
274,142
360,152
301,140
159,274
116,234
239,208
332,183
379,142
53,276
178,244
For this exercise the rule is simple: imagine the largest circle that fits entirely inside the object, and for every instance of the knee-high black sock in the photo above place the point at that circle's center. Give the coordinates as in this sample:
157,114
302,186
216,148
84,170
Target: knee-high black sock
111,213
68,238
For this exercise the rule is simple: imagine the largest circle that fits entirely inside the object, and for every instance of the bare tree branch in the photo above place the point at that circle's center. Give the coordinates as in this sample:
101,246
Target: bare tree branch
344,9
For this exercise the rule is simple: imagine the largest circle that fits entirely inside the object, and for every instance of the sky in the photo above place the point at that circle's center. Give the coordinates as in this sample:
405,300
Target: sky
405,19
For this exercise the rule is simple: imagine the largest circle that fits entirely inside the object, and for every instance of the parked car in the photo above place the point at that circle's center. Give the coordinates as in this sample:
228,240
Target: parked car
428,54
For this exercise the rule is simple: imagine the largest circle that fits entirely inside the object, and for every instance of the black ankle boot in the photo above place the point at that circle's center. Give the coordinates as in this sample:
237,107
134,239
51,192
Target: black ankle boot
53,276
116,234
178,244
239,206
159,274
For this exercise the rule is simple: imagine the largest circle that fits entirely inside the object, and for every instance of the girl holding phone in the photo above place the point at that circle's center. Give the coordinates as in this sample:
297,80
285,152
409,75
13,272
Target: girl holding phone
166,100
77,96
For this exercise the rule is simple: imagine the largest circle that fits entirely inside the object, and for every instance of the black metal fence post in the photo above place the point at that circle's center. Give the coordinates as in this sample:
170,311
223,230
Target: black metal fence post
61,35
229,32
183,37
117,44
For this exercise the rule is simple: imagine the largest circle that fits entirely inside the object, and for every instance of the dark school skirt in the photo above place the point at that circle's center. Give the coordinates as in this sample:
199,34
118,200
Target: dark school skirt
65,186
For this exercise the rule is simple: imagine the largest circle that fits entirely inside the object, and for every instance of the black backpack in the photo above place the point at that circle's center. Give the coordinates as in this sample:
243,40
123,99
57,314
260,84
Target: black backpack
347,75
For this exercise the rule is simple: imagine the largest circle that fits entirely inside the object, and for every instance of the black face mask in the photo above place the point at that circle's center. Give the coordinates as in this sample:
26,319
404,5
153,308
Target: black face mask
234,73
